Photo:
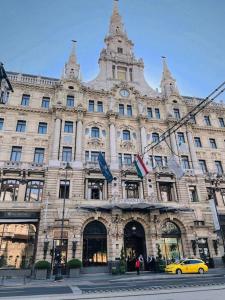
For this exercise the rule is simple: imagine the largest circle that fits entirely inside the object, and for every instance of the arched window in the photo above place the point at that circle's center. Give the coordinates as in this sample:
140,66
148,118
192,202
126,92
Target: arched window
155,137
126,135
95,132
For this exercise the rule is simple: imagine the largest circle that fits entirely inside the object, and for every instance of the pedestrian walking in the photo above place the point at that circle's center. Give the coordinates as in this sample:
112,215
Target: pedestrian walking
137,266
141,259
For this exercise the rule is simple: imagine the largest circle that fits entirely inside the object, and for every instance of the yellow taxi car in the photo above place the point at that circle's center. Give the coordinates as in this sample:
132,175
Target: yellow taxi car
187,266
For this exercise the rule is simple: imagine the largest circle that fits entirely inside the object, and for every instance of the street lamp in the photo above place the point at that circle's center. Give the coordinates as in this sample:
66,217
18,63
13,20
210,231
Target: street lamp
58,252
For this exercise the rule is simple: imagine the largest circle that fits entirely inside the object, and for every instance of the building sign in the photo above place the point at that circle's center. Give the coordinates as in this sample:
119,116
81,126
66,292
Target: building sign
19,215
130,200
214,214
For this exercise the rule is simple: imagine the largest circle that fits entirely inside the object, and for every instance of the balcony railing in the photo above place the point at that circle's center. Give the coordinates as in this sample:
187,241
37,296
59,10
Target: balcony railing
21,165
91,165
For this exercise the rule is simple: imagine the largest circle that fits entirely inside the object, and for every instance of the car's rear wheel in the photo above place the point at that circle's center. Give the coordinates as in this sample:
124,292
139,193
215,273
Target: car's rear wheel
178,271
200,271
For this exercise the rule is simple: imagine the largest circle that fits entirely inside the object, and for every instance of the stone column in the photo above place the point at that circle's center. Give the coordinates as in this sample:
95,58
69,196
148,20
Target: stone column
113,141
56,141
194,159
79,137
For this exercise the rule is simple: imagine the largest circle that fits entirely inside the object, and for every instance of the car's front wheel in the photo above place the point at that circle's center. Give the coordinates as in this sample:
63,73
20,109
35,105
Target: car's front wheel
200,271
178,272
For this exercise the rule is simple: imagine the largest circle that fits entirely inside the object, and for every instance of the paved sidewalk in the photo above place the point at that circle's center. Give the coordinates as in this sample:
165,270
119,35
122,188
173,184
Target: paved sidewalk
89,278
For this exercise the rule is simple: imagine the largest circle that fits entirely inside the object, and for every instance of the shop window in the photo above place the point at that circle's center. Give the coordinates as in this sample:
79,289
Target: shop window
193,193
166,191
64,189
95,189
39,155
132,189
45,102
9,190
21,126
121,73
67,154
68,127
16,153
34,191
25,100
70,101
95,132
126,135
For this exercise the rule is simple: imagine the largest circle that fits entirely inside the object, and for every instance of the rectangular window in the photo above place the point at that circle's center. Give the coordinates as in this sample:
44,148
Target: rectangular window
185,162
70,101
120,159
132,189
127,159
176,113
121,109
9,190
181,138
45,102
91,106
223,195
95,189
129,110
157,113
64,189
131,74
193,119
193,194
1,123
21,126
149,111
25,100
42,128
120,50
122,73
165,189
67,154
34,191
68,127
94,156
198,142
207,120
202,165
212,194
158,161
219,168
221,121
212,143
39,154
16,153
100,106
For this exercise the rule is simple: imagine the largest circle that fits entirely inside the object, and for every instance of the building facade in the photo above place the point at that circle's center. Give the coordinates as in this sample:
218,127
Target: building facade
49,124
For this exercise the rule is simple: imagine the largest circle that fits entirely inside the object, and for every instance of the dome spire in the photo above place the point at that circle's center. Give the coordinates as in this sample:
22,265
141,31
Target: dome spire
72,68
168,83
116,25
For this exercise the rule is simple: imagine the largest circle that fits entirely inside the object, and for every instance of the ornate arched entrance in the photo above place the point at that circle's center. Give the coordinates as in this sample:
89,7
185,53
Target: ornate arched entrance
94,244
170,242
134,243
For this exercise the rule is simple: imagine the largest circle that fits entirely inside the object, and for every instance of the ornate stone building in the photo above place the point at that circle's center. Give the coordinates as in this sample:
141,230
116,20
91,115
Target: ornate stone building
48,122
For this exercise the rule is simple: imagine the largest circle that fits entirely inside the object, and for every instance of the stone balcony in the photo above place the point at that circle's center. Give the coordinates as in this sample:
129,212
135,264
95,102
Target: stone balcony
93,165
19,165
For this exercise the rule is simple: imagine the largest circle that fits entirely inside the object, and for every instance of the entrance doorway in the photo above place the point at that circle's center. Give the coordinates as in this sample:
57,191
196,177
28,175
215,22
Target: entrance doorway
94,244
134,243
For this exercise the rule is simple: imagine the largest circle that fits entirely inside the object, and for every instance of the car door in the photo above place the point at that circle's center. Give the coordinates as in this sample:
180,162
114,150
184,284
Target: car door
185,266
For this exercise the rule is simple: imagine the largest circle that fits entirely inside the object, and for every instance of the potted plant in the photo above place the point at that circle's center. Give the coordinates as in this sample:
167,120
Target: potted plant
160,263
42,268
122,268
74,265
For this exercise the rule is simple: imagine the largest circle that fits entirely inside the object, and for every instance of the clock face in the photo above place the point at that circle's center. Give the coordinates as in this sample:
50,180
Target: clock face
124,93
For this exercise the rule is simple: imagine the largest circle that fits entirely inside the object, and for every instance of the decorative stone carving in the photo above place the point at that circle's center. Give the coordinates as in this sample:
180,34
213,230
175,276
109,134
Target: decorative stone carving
95,142
127,145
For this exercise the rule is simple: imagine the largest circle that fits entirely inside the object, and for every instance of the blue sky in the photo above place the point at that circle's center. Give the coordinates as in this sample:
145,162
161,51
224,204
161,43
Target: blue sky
190,33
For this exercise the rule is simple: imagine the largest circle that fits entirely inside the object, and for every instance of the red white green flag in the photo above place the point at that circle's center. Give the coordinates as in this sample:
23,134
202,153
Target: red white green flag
140,167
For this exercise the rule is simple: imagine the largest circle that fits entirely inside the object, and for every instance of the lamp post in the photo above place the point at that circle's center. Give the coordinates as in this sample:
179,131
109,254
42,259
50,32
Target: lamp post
58,252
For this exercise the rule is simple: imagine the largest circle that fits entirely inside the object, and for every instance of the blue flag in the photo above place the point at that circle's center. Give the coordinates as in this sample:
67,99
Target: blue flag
104,168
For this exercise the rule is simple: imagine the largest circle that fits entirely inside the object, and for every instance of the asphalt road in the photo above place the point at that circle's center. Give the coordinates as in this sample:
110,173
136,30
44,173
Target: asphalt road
109,285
